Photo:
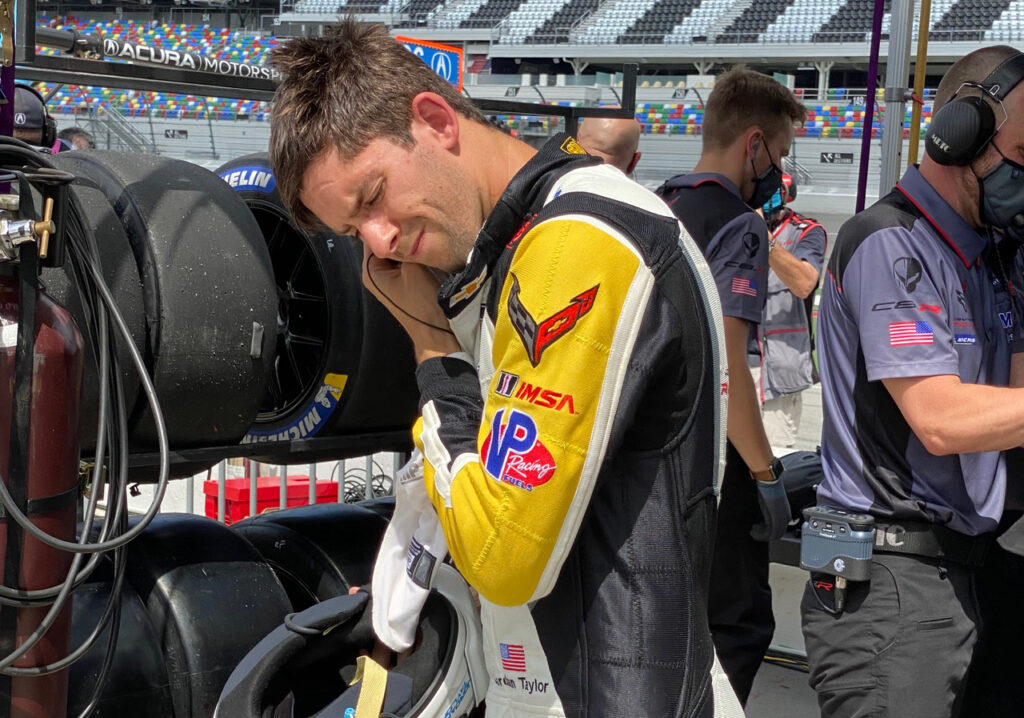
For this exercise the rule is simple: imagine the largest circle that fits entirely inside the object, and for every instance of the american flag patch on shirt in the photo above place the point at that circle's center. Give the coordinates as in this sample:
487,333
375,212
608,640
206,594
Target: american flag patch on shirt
905,333
513,657
743,285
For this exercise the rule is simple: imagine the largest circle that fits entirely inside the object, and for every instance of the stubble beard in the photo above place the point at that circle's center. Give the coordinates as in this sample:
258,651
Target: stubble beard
460,244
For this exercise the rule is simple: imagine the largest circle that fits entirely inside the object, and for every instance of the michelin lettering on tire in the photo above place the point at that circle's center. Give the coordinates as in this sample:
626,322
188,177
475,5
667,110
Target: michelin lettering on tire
255,179
308,423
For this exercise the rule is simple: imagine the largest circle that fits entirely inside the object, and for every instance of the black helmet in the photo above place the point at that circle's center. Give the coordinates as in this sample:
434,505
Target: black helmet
308,665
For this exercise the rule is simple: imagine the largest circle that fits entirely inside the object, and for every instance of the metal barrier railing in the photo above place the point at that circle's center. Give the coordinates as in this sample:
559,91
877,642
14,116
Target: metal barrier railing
233,490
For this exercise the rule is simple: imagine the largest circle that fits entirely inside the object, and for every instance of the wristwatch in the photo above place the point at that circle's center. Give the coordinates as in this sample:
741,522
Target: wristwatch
772,473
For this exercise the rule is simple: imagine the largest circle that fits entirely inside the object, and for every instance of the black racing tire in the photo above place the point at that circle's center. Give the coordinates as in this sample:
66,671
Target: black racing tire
208,293
138,674
101,228
317,551
332,332
384,506
212,598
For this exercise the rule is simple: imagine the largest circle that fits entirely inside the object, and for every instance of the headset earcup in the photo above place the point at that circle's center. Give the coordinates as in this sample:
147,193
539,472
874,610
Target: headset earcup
49,131
959,131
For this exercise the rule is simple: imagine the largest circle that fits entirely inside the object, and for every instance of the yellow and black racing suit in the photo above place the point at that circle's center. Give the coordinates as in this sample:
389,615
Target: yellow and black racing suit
572,450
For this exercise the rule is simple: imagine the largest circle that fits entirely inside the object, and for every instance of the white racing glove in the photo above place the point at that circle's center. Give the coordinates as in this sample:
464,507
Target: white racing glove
413,548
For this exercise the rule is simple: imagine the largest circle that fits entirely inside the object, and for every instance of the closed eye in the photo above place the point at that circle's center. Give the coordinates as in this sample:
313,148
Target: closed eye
377,196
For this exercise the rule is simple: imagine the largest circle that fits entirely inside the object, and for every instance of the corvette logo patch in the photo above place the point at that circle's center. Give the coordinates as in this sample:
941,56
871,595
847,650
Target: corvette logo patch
539,336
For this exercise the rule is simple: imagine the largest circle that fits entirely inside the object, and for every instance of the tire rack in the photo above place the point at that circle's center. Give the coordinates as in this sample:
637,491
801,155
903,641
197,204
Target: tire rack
72,70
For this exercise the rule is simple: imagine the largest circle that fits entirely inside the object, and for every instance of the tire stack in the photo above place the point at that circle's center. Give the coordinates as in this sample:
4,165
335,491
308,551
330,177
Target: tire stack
196,598
251,329
319,551
192,277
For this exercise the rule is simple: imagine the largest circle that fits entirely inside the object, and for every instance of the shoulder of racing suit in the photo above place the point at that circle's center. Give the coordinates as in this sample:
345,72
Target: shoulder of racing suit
589,261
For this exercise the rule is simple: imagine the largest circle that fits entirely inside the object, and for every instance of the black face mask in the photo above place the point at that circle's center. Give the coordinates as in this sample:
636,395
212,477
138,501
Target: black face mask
1002,198
766,184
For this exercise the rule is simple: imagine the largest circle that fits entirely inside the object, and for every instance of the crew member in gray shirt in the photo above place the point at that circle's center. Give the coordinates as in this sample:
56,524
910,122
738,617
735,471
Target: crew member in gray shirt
918,356
796,251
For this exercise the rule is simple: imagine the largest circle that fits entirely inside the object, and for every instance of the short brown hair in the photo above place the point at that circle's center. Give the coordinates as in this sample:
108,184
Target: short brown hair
742,99
973,67
343,90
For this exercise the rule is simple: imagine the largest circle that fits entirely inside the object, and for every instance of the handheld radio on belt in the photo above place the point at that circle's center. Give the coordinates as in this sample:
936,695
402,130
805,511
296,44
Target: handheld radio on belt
839,544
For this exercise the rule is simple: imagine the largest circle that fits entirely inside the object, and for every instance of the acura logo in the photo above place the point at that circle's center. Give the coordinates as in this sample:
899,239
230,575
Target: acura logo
441,63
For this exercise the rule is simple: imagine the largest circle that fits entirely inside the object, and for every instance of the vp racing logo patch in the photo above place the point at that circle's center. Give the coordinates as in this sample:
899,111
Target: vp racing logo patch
538,337
513,453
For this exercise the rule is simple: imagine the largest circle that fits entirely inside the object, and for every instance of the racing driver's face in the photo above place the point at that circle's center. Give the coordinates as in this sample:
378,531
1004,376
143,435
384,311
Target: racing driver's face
408,204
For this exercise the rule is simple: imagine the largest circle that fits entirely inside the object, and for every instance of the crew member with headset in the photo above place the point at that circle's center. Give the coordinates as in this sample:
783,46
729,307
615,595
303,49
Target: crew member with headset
32,123
796,251
917,341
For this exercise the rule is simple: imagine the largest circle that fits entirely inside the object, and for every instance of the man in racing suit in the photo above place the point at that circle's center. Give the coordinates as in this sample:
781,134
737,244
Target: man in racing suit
571,425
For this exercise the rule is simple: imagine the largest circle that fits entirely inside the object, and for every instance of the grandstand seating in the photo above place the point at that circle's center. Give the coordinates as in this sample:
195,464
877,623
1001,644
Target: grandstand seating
685,21
219,43
417,11
658,21
850,23
1007,28
361,6
968,20
753,21
453,13
317,6
800,20
610,20
490,13
843,117
525,19
556,28
837,115
696,26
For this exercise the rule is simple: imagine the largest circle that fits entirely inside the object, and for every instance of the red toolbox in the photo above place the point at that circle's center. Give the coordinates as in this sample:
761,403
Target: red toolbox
268,495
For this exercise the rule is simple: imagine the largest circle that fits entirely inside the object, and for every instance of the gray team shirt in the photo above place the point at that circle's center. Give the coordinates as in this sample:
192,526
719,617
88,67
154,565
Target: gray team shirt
786,339
732,236
911,291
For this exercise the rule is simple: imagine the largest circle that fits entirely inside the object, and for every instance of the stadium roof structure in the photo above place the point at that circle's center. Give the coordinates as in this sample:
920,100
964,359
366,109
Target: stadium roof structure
530,30
754,53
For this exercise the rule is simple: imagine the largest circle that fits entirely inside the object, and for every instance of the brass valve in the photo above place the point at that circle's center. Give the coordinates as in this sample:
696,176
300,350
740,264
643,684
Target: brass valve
16,232
45,228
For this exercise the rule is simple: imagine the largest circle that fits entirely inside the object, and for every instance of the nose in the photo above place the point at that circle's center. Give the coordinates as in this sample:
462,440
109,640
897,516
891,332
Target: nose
380,235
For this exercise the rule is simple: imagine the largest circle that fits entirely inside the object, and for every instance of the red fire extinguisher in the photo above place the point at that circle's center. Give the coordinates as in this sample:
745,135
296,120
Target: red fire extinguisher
39,460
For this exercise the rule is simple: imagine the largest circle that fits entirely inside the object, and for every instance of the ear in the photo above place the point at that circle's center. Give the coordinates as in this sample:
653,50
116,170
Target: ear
632,162
754,138
433,119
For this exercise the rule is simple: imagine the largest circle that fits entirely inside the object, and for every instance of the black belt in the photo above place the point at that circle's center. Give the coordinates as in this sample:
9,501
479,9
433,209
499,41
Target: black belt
931,541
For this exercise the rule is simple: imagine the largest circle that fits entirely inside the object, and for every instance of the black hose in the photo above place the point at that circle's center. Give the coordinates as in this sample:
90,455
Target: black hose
99,315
